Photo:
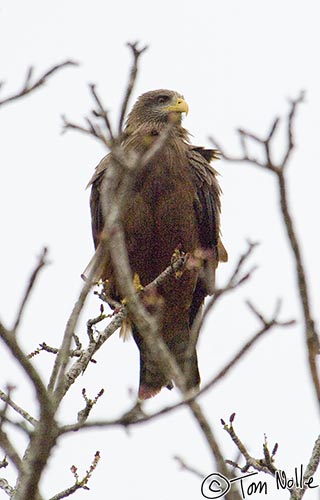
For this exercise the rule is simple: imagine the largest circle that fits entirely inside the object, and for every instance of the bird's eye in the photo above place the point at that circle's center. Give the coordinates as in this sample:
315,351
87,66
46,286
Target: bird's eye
162,99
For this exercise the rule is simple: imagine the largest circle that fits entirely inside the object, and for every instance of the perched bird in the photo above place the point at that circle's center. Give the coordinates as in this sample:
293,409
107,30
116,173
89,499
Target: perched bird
174,204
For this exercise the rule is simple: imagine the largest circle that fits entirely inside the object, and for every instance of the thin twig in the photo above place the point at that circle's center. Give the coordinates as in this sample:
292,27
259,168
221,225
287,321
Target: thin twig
189,468
236,280
267,325
5,486
43,347
10,340
9,450
139,418
79,483
311,335
85,130
262,465
290,122
266,464
57,379
85,412
40,264
136,53
310,331
4,397
30,87
311,469
102,112
108,139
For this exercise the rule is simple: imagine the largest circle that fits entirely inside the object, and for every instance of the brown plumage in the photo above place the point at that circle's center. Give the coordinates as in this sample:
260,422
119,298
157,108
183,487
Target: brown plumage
174,203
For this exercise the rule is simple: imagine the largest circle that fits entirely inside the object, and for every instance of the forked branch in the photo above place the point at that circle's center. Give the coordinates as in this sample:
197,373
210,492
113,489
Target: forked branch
278,169
31,84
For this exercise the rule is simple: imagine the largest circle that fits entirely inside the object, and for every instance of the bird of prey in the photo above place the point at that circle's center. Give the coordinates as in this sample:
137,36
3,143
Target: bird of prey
174,204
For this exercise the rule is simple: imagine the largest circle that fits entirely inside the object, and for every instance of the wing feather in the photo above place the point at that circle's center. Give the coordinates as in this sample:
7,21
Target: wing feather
208,192
97,219
207,208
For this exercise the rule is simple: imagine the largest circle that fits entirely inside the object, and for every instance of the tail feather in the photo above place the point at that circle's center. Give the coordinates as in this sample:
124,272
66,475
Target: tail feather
147,392
152,376
99,262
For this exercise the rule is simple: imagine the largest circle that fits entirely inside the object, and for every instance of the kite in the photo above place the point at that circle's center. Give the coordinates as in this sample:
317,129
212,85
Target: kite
174,203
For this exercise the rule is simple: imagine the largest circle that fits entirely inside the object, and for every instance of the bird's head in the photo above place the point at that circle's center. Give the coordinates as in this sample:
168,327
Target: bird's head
157,107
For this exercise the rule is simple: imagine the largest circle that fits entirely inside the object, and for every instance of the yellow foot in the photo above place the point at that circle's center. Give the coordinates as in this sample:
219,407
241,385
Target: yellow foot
137,283
137,286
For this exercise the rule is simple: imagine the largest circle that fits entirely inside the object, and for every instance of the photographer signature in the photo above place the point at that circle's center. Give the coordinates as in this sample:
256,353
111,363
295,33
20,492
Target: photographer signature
216,485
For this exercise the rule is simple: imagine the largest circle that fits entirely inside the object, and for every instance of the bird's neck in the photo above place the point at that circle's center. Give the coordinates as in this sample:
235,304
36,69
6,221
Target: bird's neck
141,137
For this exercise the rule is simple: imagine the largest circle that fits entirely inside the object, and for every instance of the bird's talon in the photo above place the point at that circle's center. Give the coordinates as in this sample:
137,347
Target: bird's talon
137,283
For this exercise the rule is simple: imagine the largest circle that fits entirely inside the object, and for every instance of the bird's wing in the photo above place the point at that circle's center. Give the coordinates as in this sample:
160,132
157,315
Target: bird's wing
97,219
207,207
208,204
100,168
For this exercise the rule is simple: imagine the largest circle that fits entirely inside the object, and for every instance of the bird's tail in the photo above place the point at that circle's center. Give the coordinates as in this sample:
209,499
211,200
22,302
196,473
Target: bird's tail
153,376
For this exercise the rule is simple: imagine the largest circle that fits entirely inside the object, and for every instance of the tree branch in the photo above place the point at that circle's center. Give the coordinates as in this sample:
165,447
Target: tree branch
137,416
311,469
93,129
266,464
10,340
4,397
41,262
136,53
29,87
262,465
5,486
311,335
79,483
9,450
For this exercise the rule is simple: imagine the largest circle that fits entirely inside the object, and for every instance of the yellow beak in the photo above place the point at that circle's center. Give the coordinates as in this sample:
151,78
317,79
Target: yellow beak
180,106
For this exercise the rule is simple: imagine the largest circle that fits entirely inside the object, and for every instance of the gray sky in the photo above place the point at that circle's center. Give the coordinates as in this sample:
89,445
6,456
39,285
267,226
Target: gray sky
237,64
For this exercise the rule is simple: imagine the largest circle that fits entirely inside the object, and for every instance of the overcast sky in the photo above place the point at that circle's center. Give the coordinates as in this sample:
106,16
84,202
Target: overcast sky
237,63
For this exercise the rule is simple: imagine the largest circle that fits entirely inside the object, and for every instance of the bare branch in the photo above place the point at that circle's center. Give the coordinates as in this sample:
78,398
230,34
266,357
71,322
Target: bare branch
311,334
236,159
5,486
266,464
136,53
81,364
4,463
262,465
188,468
9,450
79,483
311,469
4,397
6,406
102,113
43,347
41,262
58,373
85,412
236,279
109,140
137,417
44,435
29,87
10,340
85,130
267,325
290,146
